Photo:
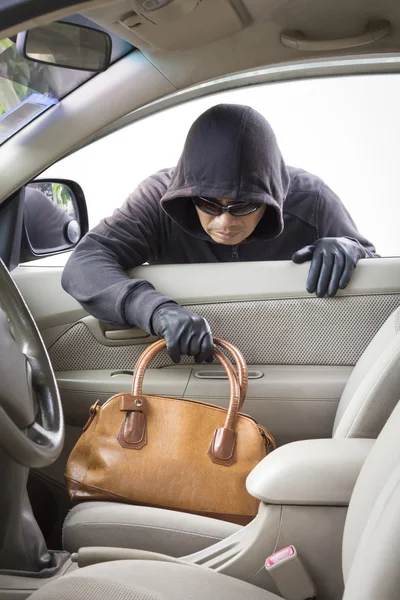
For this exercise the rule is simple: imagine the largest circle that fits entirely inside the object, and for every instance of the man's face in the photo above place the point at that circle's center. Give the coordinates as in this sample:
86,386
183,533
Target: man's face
226,228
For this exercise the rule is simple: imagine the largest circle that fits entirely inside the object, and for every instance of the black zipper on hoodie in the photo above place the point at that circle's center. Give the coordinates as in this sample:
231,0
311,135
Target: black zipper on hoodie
235,252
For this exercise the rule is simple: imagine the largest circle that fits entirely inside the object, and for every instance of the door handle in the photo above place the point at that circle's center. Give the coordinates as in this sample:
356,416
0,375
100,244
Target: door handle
220,374
133,333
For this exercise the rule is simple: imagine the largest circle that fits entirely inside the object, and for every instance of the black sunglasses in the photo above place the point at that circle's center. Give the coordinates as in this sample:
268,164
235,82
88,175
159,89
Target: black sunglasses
211,207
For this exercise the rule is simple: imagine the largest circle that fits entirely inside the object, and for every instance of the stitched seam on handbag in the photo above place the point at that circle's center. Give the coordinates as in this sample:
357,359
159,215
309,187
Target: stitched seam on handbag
132,445
223,462
188,401
112,495
94,424
191,401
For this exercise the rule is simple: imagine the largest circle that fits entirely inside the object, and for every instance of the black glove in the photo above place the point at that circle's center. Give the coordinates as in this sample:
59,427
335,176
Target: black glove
333,261
184,332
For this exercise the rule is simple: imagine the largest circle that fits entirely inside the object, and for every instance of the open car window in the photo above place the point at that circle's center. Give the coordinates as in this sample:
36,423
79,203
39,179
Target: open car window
344,130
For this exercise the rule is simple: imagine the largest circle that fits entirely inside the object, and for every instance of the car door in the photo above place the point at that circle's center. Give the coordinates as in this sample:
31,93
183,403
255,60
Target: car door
300,349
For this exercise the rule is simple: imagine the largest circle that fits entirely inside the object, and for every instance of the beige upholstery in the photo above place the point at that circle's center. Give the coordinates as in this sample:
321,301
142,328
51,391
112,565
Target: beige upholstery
371,540
382,464
371,547
379,548
144,580
310,472
300,331
373,388
367,400
124,526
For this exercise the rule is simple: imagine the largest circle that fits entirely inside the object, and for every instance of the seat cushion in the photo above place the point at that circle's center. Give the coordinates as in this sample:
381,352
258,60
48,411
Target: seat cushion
127,526
149,580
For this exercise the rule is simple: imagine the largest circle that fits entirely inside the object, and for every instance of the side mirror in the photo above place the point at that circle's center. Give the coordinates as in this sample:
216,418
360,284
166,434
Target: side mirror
68,45
55,217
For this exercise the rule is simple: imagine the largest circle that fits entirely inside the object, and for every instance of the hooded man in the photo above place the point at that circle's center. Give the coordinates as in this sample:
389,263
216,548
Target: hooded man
230,198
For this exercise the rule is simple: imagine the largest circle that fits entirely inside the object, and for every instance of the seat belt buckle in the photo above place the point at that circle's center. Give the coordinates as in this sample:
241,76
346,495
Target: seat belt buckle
289,575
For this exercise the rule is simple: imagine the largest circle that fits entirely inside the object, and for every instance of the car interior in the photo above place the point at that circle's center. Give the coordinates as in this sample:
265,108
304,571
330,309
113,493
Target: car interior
324,373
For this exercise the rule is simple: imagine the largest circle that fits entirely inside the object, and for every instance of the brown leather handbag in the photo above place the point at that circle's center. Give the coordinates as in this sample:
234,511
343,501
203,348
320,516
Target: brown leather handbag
171,453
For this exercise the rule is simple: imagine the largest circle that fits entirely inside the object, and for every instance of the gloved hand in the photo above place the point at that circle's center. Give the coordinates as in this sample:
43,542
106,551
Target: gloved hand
184,332
333,261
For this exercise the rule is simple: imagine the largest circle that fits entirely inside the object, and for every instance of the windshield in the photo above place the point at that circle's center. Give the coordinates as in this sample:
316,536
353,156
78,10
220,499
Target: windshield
28,88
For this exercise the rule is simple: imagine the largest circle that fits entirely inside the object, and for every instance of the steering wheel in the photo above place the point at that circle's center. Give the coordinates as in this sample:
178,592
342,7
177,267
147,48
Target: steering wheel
31,417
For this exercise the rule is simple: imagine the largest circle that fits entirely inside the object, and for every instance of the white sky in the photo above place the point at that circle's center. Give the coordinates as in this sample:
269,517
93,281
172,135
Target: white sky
346,130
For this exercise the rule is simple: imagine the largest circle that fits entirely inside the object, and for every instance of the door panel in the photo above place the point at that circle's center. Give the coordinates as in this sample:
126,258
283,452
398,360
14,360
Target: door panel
294,331
303,346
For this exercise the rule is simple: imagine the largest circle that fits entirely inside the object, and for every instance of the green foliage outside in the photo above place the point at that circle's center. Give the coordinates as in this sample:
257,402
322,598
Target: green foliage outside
57,193
63,197
20,78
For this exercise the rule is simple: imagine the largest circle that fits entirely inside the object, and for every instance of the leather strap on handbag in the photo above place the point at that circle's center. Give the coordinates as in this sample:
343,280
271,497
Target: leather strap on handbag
222,446
243,373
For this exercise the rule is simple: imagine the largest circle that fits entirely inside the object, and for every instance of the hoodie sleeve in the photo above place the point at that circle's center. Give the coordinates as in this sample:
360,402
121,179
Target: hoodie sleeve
334,220
95,273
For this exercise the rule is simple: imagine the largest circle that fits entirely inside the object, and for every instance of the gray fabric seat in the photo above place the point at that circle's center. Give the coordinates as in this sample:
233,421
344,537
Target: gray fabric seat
370,557
368,399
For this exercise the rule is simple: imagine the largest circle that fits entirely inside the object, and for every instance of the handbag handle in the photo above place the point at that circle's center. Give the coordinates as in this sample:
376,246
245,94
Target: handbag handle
223,443
243,373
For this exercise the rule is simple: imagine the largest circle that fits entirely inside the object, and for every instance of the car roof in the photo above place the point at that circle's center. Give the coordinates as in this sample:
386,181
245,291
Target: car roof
218,37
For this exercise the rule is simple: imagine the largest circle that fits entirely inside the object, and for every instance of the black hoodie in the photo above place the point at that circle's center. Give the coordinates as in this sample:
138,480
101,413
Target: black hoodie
230,152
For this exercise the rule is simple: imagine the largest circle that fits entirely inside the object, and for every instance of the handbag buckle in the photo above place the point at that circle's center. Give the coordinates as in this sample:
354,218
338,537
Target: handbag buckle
129,402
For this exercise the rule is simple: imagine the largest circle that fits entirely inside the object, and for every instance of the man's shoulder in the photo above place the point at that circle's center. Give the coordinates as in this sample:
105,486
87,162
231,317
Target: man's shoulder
302,197
146,197
155,185
301,181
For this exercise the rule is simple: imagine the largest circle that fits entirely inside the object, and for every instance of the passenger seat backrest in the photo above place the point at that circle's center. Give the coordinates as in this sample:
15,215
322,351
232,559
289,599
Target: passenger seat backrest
373,388
371,540
375,570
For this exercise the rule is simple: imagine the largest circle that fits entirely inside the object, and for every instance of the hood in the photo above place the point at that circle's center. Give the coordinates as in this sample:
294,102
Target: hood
230,152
